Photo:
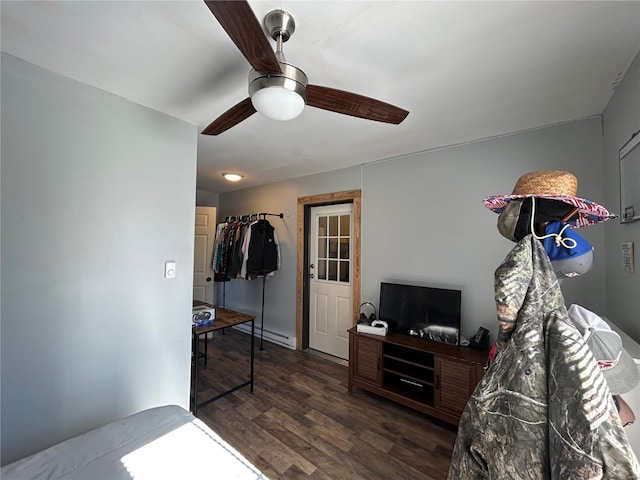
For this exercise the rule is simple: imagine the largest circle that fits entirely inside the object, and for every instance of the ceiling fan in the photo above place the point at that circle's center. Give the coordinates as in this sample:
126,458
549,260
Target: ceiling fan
278,89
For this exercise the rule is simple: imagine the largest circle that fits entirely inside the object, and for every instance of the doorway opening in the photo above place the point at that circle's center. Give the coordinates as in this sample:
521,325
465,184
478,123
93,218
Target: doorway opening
305,204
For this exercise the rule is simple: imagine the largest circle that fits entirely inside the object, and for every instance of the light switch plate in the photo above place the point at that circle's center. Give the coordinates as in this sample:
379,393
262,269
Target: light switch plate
170,269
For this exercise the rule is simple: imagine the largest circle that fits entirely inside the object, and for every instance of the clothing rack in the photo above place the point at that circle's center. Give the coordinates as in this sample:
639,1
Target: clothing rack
252,215
264,216
264,276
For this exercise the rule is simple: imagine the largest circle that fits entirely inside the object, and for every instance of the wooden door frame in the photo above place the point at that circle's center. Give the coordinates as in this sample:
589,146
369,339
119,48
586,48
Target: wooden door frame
304,205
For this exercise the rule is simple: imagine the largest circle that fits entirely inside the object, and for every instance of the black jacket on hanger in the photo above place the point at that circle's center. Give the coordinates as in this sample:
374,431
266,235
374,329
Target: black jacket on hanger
263,250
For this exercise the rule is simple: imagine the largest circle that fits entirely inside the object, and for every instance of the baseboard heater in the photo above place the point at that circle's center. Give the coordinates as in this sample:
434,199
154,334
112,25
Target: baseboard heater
269,336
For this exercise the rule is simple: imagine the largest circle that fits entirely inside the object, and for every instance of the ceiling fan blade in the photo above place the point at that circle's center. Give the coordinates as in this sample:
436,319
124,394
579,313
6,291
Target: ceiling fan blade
242,26
353,104
231,117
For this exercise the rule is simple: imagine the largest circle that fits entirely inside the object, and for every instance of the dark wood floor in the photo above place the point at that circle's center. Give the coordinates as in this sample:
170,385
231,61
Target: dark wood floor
302,423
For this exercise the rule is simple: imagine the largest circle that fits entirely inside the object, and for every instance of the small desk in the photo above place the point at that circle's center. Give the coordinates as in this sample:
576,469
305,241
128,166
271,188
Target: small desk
224,318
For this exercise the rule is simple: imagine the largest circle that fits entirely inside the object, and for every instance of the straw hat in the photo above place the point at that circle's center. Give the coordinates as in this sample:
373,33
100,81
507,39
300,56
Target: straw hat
554,185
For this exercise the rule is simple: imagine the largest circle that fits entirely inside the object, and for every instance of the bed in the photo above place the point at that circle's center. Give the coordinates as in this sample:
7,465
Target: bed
162,442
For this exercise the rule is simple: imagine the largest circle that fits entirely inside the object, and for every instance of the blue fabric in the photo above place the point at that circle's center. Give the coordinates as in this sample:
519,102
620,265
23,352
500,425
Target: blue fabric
560,252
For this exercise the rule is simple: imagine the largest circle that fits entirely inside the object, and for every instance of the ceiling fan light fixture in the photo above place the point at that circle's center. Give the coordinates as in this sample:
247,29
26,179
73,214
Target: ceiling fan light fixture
232,177
277,103
279,96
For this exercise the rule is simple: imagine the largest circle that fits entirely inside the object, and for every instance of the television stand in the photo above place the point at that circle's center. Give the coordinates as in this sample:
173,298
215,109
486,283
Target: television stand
431,377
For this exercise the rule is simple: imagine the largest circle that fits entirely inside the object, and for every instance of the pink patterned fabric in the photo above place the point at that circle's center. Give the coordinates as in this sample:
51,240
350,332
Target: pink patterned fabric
590,212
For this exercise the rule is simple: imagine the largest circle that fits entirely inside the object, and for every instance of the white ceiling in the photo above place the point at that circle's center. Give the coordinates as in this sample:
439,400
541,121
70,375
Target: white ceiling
464,70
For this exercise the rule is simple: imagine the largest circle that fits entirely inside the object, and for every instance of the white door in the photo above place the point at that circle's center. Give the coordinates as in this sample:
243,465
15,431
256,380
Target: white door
330,286
205,235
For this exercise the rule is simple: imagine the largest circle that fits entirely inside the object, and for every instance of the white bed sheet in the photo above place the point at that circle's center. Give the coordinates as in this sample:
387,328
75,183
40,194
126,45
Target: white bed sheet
160,443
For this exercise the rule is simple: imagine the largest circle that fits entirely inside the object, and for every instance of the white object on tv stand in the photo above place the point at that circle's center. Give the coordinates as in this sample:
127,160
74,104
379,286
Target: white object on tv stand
379,330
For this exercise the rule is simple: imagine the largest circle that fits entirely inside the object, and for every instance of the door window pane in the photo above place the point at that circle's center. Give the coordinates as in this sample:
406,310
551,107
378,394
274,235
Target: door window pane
344,225
322,225
322,248
333,225
322,269
333,247
344,248
333,270
344,271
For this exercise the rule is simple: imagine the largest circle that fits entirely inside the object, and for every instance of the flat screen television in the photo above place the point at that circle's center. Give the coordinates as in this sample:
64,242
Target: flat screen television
421,311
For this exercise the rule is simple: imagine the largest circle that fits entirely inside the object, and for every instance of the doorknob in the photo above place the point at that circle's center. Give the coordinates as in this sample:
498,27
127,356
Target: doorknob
312,266
208,279
311,275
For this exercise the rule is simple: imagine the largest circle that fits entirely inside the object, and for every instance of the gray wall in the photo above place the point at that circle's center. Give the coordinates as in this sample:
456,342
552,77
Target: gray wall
206,199
97,192
280,290
424,222
621,120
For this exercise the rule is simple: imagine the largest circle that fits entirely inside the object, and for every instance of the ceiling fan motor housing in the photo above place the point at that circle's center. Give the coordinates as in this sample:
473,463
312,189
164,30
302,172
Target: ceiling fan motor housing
291,78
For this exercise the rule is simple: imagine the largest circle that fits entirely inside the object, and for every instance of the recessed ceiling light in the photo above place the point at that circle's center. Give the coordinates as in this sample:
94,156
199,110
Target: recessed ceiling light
232,177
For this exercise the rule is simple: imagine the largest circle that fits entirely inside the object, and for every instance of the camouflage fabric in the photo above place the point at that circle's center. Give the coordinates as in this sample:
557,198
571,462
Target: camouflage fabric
543,410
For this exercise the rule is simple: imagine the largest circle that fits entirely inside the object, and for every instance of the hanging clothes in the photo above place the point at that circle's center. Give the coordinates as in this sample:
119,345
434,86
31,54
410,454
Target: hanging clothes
261,250
245,249
217,246
226,241
543,409
236,256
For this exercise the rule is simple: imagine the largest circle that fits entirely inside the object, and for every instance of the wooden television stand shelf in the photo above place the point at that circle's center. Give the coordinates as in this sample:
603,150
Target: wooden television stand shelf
431,377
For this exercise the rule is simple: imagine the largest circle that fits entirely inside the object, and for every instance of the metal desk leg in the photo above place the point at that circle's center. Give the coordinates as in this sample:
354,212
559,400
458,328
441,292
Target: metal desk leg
206,343
196,354
252,351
